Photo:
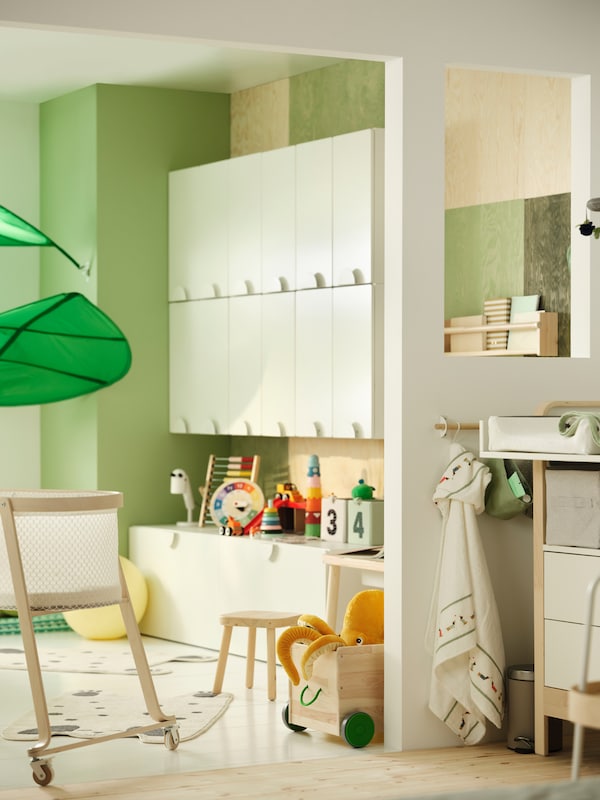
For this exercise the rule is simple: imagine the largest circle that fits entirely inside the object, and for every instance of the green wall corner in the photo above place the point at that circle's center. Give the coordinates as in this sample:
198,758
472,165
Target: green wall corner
106,153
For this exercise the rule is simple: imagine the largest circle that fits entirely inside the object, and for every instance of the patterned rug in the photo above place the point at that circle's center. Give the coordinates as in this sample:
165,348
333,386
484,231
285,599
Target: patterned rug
99,657
89,713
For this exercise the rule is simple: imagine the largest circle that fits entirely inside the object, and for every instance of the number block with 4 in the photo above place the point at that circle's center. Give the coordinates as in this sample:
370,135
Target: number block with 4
365,521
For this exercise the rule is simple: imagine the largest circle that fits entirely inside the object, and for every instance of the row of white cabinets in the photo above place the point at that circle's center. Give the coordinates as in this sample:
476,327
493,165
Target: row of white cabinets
304,216
194,576
304,363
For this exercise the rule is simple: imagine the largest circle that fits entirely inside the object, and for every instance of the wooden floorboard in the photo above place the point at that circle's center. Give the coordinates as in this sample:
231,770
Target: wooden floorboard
359,775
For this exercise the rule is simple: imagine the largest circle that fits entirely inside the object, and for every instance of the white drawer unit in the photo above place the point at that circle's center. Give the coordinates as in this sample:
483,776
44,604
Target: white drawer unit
194,575
567,573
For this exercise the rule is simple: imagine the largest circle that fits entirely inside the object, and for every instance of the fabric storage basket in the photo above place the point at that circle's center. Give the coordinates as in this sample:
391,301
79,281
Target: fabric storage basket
68,543
573,507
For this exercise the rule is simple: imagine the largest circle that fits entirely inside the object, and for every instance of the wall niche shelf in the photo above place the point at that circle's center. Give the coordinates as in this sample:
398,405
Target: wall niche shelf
535,337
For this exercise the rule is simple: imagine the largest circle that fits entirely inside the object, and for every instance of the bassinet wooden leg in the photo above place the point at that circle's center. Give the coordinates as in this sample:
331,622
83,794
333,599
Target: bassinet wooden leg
32,661
139,655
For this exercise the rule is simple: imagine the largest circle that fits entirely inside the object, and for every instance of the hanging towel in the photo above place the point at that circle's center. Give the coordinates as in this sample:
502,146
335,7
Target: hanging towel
464,633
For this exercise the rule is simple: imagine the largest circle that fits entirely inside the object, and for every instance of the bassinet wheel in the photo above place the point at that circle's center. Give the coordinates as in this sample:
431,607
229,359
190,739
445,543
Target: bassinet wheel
358,729
172,737
285,716
42,772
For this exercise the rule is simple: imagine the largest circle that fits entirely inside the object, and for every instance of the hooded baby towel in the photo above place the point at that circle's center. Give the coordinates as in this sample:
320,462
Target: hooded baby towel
464,633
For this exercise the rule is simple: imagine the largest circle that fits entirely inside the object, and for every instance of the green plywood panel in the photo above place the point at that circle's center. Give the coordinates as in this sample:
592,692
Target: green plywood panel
483,255
547,238
339,99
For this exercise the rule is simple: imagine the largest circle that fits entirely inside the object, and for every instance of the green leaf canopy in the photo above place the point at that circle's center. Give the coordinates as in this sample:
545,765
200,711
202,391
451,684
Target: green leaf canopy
17,232
58,348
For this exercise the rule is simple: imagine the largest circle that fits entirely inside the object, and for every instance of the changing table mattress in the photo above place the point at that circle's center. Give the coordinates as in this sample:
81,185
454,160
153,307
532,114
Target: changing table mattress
543,435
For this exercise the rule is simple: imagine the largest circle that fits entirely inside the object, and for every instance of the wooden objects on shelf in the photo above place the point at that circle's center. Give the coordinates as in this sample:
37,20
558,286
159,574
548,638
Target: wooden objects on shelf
221,469
537,336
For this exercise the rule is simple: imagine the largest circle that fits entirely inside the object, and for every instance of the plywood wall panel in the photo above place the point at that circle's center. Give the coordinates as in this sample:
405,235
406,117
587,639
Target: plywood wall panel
507,136
260,118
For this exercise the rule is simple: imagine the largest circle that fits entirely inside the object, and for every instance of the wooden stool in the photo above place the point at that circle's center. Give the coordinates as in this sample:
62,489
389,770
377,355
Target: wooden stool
270,620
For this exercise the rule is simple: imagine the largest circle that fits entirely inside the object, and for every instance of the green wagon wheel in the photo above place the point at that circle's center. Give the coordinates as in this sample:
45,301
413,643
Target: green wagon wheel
358,729
285,716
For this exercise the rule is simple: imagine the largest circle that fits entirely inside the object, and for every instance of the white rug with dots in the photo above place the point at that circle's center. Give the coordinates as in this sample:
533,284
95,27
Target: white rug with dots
99,657
89,713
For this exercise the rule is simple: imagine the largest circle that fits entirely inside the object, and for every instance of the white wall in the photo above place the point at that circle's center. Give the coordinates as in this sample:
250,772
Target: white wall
19,279
550,36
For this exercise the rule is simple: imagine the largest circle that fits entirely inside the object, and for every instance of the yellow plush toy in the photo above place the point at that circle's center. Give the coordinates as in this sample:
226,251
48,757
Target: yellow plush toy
363,624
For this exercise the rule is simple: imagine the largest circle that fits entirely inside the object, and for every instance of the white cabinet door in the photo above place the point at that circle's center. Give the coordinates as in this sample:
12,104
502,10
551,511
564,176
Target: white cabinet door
198,366
198,232
259,574
278,364
313,214
357,362
243,224
278,198
244,366
314,376
182,573
358,207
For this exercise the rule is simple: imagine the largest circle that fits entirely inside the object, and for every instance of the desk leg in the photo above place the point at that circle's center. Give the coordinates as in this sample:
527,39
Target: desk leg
333,591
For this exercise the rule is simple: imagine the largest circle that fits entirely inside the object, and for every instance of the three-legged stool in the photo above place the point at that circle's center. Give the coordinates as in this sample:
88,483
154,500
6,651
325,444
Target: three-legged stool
270,621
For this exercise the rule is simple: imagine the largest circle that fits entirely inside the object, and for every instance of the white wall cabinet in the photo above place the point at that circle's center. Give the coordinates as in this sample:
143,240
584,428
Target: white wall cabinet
278,219
195,575
198,211
314,222
244,224
357,361
314,373
278,341
357,207
198,366
244,366
290,355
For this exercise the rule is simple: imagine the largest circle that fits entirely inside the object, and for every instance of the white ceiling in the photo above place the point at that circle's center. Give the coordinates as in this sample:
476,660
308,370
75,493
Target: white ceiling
38,65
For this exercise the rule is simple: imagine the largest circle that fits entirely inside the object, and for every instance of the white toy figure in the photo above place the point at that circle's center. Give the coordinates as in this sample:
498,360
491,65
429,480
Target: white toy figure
180,484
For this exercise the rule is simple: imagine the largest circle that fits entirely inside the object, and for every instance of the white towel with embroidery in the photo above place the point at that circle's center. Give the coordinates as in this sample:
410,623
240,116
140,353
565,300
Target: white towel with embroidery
464,633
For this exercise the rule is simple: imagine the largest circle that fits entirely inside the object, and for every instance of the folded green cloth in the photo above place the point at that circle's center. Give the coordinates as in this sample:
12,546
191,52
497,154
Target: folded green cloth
568,424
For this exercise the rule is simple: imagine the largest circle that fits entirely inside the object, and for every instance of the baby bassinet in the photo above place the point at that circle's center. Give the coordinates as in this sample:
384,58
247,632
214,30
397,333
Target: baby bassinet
59,551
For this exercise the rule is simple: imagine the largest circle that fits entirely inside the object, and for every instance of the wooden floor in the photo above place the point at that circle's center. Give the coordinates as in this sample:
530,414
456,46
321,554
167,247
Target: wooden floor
417,773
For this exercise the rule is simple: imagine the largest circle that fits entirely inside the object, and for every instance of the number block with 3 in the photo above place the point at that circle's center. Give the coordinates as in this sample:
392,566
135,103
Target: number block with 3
365,521
334,518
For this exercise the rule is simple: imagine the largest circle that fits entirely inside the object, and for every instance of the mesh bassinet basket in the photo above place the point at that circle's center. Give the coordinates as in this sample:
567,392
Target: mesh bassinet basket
59,551
67,543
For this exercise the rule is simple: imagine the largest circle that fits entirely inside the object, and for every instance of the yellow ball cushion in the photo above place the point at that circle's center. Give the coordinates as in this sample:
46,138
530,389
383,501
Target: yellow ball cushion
107,622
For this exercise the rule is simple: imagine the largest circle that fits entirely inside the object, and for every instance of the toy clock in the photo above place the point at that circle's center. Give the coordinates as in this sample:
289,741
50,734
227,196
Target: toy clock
241,499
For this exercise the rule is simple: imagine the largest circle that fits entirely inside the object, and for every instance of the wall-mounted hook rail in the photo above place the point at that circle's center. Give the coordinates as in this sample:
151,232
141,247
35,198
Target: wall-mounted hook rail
444,426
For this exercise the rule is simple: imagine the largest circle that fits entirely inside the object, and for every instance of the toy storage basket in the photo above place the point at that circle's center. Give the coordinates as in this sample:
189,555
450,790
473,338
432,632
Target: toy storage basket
59,551
344,696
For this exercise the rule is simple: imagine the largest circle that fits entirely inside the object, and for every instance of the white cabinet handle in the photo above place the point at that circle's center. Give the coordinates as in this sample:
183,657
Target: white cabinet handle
358,431
180,425
318,426
178,294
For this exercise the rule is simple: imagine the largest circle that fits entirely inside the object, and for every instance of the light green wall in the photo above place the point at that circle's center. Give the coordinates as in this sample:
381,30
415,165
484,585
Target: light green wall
106,154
